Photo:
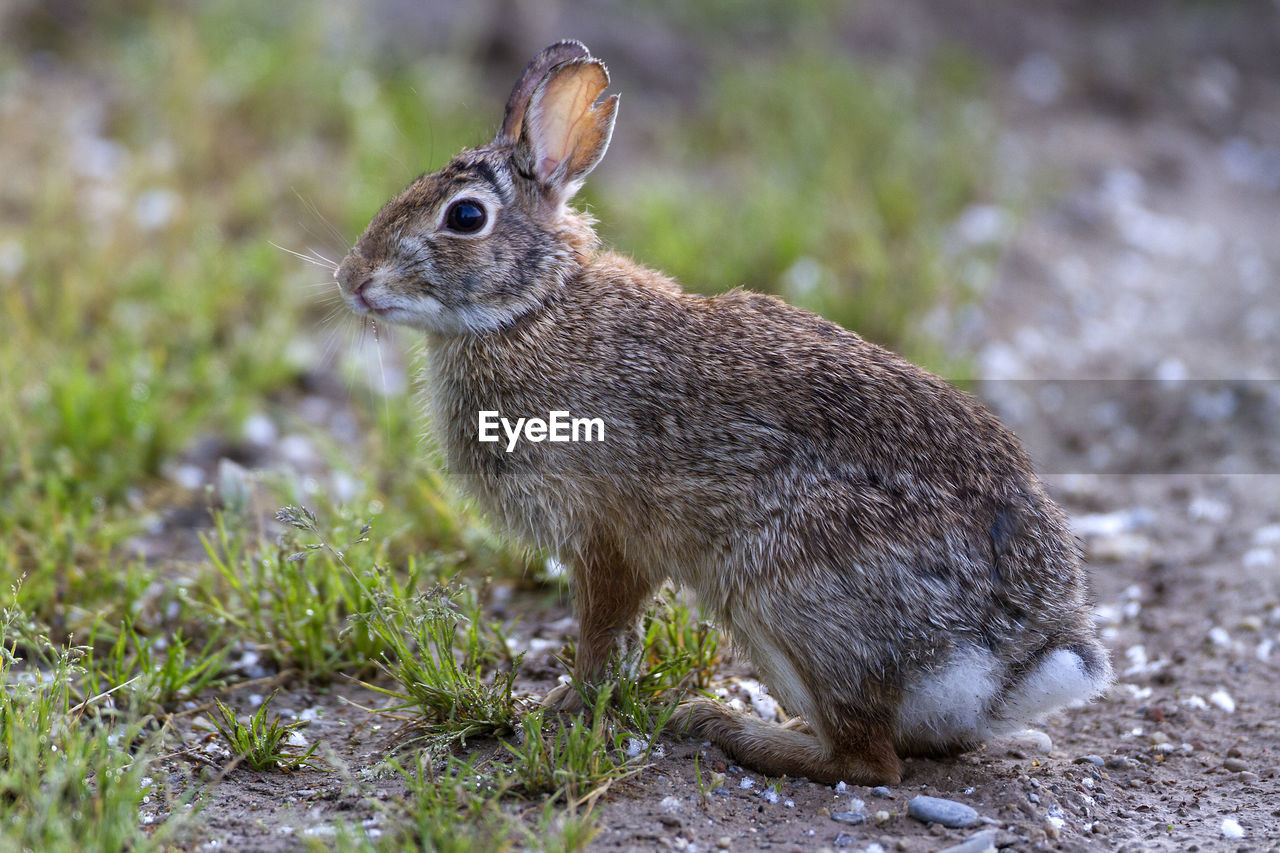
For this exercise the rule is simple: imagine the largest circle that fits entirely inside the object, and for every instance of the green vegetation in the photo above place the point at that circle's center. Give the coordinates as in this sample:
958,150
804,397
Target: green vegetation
71,777
152,158
817,179
261,743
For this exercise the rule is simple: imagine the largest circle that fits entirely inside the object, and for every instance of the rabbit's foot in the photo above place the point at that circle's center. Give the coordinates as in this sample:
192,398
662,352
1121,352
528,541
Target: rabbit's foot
791,750
798,724
564,699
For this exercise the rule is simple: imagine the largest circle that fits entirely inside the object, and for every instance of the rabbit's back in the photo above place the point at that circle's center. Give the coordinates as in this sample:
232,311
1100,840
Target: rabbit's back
744,438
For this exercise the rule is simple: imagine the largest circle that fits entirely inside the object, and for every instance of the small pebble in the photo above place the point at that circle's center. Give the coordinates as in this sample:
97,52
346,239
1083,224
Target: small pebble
1223,700
1231,828
1031,741
1259,558
881,817
982,842
259,429
1248,776
1269,535
851,818
1209,509
1095,760
724,842
946,812
1235,765
881,791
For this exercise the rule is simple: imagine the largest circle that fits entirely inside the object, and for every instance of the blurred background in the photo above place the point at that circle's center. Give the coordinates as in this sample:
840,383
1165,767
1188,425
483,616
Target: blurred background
999,192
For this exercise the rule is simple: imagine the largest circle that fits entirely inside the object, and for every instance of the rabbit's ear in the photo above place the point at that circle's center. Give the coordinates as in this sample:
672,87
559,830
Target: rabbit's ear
532,75
565,131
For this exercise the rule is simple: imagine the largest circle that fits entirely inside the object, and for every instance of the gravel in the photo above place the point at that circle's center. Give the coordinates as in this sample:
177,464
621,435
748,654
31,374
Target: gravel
982,842
946,812
852,818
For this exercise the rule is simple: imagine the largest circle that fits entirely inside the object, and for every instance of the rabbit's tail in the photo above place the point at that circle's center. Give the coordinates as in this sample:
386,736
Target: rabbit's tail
1075,673
791,749
972,698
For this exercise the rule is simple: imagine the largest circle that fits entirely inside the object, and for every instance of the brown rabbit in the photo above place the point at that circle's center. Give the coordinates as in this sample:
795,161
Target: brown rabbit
873,539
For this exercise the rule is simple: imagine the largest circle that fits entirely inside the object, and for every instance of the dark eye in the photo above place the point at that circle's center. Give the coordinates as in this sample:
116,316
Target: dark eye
465,216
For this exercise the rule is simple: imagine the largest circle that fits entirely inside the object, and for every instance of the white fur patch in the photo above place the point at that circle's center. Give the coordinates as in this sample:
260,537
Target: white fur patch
783,680
961,702
951,703
1059,680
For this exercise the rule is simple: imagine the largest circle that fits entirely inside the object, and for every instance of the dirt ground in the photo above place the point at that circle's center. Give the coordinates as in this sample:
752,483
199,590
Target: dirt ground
1147,256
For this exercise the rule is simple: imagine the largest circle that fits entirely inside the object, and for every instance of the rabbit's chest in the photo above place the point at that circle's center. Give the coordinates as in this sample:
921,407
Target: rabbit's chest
512,455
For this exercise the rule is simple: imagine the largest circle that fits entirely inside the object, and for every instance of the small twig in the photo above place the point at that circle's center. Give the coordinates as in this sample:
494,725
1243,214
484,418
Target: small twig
281,677
86,703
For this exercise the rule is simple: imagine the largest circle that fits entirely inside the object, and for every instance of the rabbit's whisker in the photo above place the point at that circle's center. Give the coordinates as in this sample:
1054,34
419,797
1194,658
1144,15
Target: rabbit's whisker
332,263
323,262
315,211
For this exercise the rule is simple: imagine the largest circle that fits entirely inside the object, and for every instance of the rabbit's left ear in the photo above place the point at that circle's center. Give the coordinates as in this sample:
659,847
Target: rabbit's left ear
565,132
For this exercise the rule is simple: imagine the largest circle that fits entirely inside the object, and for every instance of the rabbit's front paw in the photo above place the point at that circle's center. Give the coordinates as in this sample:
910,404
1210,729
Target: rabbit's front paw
564,699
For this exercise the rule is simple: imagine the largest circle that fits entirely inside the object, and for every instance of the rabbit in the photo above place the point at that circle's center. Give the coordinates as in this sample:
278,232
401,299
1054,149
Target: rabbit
873,539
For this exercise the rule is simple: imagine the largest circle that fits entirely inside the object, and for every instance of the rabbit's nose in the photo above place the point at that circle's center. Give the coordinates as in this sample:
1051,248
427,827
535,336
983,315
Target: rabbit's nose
353,269
357,294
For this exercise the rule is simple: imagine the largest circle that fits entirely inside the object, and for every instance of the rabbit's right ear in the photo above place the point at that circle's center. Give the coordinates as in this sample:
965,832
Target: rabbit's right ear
565,131
532,75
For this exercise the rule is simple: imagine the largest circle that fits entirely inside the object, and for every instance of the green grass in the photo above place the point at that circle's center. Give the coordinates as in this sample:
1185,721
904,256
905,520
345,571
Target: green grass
148,315
294,602
449,663
261,743
157,672
575,759
817,179
71,776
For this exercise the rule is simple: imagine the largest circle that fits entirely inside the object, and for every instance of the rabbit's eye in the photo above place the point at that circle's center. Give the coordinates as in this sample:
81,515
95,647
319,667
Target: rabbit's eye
465,216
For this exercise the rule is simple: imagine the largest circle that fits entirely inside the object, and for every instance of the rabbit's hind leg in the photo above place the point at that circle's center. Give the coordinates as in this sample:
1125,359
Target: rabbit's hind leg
863,756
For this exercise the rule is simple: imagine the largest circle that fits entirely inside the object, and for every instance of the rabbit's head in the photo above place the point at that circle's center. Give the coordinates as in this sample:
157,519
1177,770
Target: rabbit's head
490,236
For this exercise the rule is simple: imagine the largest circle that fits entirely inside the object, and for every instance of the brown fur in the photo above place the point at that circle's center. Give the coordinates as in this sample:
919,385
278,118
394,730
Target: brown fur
850,518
